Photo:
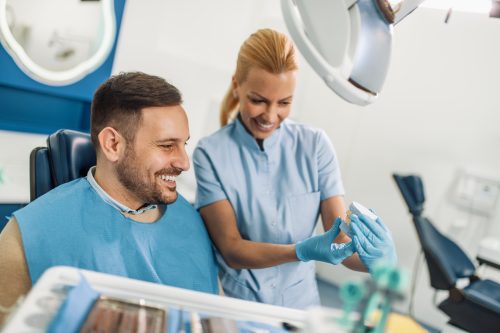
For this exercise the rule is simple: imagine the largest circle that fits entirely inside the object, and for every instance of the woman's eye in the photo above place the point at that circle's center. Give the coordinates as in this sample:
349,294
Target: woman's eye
256,101
285,103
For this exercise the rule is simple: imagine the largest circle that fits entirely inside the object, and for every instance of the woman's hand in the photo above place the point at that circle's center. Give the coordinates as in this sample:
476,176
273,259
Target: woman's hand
322,248
373,241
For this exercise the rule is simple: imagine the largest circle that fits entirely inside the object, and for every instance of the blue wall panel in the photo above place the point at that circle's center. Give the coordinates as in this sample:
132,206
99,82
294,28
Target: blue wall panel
6,211
50,114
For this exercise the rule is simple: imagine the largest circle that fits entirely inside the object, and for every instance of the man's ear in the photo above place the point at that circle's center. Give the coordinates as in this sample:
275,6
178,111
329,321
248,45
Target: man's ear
112,144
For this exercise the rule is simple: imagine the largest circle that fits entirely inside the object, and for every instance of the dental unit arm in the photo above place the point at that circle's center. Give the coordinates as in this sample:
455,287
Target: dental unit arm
347,42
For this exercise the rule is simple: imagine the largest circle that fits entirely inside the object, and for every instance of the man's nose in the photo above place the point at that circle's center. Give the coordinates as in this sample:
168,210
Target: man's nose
182,160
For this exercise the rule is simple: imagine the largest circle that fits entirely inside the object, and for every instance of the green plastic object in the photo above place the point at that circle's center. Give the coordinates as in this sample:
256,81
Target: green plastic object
351,293
390,277
387,284
390,282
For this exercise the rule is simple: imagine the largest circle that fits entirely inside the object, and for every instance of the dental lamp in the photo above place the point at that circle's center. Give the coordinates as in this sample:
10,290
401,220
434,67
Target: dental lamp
347,42
495,8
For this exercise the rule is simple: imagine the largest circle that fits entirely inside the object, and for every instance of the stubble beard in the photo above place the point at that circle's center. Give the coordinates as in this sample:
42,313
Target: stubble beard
130,176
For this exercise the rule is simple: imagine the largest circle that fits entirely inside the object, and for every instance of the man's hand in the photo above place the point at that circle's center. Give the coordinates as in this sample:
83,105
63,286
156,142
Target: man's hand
322,248
373,241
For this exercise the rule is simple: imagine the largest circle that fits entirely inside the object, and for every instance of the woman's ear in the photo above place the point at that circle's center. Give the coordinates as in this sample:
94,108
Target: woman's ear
234,87
112,144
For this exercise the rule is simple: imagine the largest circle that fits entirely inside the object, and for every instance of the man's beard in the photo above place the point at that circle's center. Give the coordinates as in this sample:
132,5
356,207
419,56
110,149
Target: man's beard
129,175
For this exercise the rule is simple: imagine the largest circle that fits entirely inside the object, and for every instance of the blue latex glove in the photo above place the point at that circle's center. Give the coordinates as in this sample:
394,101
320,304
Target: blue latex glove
373,241
322,248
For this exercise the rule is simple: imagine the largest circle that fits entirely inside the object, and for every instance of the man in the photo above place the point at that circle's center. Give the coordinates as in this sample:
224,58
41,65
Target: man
125,217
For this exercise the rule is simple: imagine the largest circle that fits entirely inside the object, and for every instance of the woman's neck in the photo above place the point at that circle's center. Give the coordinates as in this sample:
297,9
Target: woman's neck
260,142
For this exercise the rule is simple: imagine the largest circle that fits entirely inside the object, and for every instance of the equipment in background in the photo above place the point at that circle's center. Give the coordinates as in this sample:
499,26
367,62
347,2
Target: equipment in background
347,43
471,210
474,308
488,252
58,43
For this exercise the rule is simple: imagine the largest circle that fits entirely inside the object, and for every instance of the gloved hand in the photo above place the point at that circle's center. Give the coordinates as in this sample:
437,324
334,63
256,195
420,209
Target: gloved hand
373,241
322,248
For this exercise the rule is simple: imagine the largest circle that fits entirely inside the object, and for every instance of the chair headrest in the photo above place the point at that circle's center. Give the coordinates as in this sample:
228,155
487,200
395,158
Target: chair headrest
412,189
72,155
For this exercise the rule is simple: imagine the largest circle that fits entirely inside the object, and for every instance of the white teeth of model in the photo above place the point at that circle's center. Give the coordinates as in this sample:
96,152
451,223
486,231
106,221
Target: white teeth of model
264,125
168,178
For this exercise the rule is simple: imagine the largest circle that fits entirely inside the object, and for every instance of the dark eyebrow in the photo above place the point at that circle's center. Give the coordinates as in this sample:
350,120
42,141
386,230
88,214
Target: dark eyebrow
172,140
284,99
265,99
257,95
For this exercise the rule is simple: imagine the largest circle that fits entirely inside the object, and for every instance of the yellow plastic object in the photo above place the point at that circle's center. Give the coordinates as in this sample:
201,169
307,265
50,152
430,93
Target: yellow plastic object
398,323
348,216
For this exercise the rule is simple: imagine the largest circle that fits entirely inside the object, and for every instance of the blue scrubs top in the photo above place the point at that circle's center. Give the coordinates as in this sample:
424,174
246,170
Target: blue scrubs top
275,193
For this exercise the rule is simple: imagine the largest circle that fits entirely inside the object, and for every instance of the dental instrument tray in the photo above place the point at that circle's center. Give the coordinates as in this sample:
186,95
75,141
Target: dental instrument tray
118,315
163,308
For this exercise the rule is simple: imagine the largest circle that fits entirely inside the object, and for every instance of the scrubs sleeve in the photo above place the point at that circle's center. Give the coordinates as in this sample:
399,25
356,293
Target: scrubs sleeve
208,189
330,181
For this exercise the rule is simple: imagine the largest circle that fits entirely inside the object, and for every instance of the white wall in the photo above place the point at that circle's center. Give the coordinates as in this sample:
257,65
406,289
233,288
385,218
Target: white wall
437,113
15,149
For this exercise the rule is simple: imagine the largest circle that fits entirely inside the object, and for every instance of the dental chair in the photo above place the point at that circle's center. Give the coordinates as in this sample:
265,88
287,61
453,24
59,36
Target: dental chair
69,155
474,308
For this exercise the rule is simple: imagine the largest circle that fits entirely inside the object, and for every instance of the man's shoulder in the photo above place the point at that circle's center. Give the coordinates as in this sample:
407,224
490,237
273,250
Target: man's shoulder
66,190
182,212
61,196
185,206
181,201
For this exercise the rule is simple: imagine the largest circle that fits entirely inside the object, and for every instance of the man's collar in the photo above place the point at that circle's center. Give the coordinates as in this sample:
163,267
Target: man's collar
112,202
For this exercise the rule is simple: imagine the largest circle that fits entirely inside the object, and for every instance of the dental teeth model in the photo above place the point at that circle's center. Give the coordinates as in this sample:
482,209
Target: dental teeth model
358,209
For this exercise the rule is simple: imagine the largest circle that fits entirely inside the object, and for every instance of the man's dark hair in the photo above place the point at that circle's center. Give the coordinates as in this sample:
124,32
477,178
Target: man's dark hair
119,101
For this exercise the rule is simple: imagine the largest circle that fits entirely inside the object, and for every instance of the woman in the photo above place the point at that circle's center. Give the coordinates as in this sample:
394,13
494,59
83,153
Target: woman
263,180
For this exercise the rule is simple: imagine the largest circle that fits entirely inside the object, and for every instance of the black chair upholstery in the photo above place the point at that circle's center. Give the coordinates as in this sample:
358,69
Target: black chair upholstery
40,176
475,308
69,155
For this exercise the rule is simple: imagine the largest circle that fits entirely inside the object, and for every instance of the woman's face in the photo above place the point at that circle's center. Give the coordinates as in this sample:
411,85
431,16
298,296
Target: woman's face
265,100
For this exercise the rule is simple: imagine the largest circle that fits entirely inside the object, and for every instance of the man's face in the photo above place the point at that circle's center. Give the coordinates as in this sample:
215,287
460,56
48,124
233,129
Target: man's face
157,155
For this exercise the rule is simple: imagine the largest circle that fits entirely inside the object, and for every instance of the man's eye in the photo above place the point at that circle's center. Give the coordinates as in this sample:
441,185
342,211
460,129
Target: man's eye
285,103
167,147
